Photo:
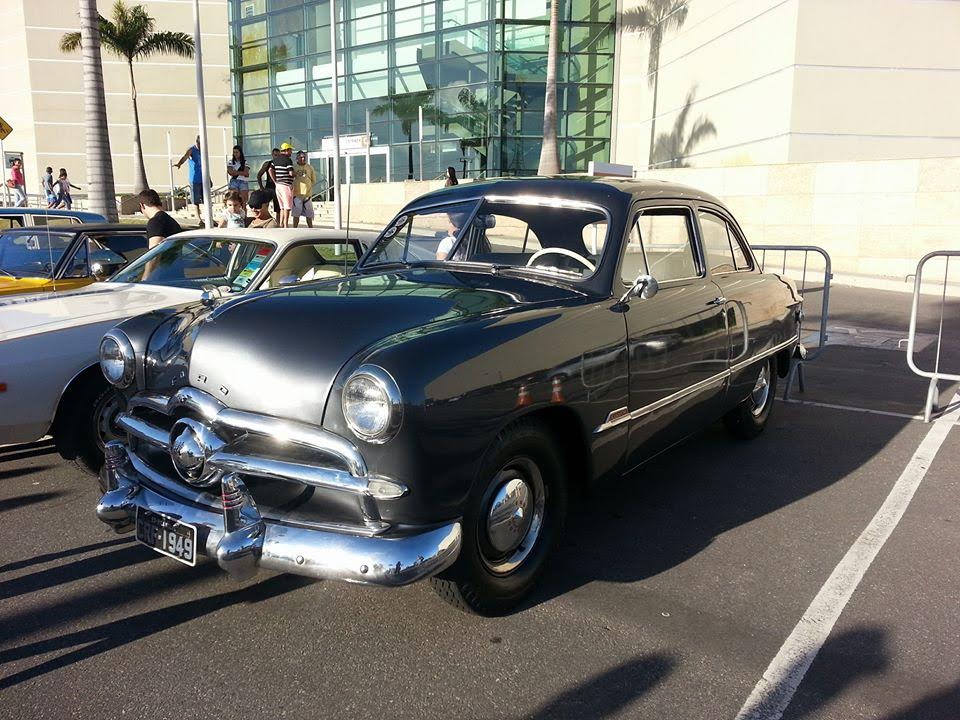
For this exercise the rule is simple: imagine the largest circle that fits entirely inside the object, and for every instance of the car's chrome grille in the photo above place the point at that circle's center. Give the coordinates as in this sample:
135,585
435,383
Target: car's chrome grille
221,441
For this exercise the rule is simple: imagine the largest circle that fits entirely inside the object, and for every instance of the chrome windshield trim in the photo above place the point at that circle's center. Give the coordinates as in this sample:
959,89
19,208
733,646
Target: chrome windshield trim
618,417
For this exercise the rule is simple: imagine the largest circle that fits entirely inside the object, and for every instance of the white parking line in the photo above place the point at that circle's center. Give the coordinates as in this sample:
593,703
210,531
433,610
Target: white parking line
773,693
852,408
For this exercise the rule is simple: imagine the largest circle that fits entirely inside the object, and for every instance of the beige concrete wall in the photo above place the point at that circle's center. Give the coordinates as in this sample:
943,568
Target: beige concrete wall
799,81
15,105
876,219
166,93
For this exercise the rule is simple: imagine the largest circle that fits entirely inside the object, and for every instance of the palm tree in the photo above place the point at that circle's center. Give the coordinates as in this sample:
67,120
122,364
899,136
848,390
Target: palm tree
100,188
406,108
654,18
672,149
549,158
130,35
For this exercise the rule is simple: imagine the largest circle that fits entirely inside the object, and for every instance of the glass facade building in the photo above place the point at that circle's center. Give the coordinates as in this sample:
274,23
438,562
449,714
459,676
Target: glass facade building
476,67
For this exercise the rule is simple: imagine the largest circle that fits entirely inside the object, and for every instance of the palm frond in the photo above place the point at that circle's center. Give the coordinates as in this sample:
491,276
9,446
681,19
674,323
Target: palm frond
636,20
70,42
703,128
166,43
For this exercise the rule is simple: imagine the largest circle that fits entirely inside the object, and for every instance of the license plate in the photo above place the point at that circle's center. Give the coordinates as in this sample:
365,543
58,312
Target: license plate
168,536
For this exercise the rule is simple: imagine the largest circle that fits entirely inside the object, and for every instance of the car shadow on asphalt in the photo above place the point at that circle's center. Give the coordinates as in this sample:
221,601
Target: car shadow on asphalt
608,693
674,507
10,453
60,555
117,633
24,500
83,568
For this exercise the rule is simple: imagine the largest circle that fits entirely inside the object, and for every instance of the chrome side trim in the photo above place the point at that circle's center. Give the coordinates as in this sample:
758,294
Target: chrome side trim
617,417
283,470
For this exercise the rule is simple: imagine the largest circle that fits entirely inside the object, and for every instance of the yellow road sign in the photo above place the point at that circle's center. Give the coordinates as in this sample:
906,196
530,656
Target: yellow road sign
5,129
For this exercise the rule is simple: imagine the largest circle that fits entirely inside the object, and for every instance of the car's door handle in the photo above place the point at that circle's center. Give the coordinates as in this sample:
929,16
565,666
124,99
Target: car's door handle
719,301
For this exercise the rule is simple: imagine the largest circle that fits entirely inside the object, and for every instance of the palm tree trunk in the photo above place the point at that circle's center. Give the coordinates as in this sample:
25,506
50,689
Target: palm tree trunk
139,171
655,38
100,188
549,159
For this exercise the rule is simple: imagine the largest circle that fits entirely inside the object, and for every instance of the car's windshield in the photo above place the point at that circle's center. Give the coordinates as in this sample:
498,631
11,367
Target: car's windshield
193,262
32,253
544,235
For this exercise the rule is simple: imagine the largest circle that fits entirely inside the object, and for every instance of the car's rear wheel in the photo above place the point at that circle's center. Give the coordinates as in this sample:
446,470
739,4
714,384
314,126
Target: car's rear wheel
513,518
748,419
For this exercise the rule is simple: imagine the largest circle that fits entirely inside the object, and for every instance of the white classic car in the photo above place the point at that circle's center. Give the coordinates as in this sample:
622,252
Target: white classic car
50,379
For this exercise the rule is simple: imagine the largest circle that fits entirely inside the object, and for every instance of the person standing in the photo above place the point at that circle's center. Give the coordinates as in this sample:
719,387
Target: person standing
48,188
239,171
260,205
282,174
196,175
451,177
64,198
269,186
160,226
17,183
304,179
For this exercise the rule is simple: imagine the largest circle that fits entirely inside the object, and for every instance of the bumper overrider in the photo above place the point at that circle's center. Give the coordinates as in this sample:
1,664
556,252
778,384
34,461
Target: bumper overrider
233,530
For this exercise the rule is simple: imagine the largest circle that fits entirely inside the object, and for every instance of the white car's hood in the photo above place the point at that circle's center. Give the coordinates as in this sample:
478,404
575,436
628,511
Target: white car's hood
30,314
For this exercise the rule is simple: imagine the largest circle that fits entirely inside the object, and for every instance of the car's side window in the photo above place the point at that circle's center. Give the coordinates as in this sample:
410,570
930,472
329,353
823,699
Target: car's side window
716,243
740,254
9,222
307,262
634,261
666,238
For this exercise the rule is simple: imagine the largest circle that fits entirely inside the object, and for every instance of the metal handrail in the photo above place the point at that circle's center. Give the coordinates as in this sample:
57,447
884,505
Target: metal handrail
797,361
933,392
827,277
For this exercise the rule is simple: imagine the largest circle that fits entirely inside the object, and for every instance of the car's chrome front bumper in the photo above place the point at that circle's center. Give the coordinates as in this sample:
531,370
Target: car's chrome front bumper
242,541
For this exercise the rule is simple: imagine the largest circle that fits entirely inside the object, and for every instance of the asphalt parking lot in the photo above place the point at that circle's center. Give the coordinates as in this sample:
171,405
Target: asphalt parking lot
673,596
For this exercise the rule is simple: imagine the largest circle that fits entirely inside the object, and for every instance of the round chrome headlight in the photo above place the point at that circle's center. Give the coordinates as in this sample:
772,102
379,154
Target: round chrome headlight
117,360
371,404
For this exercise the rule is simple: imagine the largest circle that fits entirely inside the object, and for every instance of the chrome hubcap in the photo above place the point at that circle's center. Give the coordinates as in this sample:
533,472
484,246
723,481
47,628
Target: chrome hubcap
106,419
514,516
761,391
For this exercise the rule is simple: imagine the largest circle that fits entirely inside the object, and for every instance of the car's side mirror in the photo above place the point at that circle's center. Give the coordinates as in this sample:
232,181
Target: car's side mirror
645,286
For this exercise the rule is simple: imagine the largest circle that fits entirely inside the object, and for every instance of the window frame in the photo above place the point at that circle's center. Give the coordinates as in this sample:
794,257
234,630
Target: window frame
734,234
693,232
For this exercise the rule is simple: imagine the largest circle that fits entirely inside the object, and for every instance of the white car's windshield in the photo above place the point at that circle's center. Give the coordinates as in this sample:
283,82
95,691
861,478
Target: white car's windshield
541,235
32,253
197,261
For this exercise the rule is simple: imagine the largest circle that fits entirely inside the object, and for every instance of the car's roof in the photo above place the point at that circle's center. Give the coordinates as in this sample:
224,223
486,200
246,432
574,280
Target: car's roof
78,228
81,214
280,236
585,187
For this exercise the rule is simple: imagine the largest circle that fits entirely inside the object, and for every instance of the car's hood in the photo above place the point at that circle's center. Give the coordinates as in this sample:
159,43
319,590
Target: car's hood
278,353
11,285
28,314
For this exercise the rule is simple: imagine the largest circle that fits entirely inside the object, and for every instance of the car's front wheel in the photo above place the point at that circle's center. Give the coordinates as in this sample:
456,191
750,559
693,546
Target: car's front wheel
514,516
89,423
748,419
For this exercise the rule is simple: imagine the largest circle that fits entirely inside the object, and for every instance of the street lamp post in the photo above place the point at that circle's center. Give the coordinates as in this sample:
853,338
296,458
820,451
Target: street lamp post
336,112
202,118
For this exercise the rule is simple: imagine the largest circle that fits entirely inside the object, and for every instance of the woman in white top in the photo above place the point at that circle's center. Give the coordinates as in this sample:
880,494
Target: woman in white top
239,171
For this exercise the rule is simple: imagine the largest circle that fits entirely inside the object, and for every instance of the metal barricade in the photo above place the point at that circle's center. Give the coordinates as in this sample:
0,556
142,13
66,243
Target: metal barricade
797,270
933,392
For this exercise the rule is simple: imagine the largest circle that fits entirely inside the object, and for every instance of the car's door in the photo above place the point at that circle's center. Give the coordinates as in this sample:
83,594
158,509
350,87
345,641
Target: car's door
677,340
755,325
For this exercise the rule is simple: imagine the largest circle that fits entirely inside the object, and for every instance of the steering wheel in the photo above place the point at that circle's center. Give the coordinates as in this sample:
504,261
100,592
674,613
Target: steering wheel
561,251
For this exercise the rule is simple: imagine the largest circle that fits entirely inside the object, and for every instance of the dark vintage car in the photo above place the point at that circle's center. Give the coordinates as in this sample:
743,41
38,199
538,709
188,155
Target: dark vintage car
502,346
